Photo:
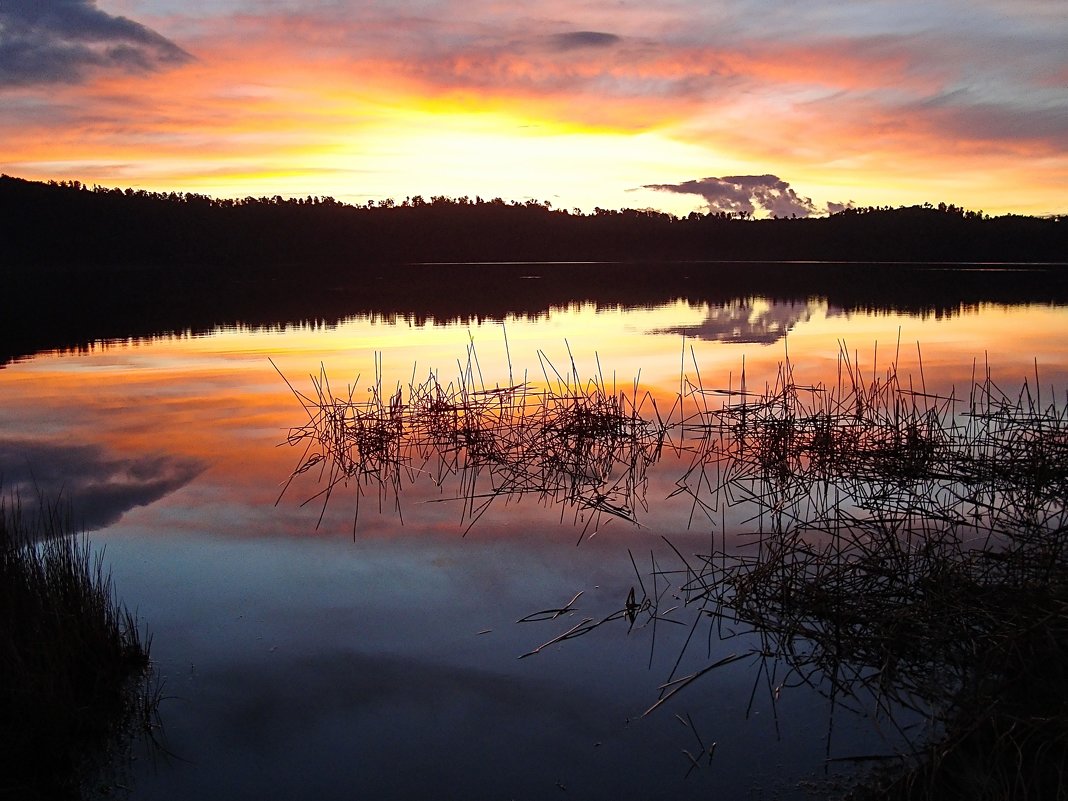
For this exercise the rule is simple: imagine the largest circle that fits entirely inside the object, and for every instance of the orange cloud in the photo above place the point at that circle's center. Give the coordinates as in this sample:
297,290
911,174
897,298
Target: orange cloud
302,102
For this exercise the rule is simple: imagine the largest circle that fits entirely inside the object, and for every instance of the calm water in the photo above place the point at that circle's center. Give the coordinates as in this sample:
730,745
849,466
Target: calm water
303,662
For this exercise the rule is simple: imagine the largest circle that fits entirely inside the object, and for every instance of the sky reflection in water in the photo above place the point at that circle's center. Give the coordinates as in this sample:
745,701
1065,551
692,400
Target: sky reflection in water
304,664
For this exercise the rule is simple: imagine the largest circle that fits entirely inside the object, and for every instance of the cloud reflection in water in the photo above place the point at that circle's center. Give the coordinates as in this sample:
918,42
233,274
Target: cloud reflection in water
749,320
99,486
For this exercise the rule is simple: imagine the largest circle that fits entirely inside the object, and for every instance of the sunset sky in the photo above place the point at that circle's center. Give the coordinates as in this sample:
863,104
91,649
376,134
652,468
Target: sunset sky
773,106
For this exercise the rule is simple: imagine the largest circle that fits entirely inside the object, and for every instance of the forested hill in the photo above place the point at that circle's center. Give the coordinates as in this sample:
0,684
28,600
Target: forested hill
67,225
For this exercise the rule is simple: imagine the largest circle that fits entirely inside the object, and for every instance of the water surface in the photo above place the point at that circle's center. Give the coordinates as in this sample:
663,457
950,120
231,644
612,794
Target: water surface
303,661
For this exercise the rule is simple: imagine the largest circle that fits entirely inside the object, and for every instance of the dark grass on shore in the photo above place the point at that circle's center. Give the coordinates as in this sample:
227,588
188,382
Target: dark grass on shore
76,674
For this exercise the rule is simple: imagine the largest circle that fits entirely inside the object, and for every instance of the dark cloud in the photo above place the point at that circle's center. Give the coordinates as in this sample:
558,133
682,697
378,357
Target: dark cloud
745,194
578,39
99,487
59,41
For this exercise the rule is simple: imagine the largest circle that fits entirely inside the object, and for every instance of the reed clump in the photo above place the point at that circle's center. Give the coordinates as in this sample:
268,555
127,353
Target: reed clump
907,551
76,673
574,443
902,551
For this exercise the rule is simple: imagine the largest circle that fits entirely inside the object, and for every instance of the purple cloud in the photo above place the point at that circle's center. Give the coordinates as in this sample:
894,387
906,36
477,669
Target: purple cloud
745,194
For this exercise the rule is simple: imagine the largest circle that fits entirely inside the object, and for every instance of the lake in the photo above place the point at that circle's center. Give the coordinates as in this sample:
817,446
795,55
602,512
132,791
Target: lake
310,652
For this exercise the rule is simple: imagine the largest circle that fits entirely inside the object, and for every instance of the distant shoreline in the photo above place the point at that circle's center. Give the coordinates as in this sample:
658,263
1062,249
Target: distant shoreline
45,227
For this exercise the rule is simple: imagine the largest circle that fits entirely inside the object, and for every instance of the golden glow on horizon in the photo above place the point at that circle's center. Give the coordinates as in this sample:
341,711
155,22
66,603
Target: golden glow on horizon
286,105
360,147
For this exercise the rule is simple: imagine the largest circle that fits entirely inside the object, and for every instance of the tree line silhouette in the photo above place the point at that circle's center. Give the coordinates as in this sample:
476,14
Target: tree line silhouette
70,225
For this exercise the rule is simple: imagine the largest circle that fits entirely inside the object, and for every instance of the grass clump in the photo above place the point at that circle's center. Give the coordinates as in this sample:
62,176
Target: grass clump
76,672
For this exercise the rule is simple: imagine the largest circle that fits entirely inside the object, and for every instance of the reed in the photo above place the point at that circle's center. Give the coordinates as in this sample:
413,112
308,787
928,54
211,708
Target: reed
908,552
76,674
573,443
899,550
